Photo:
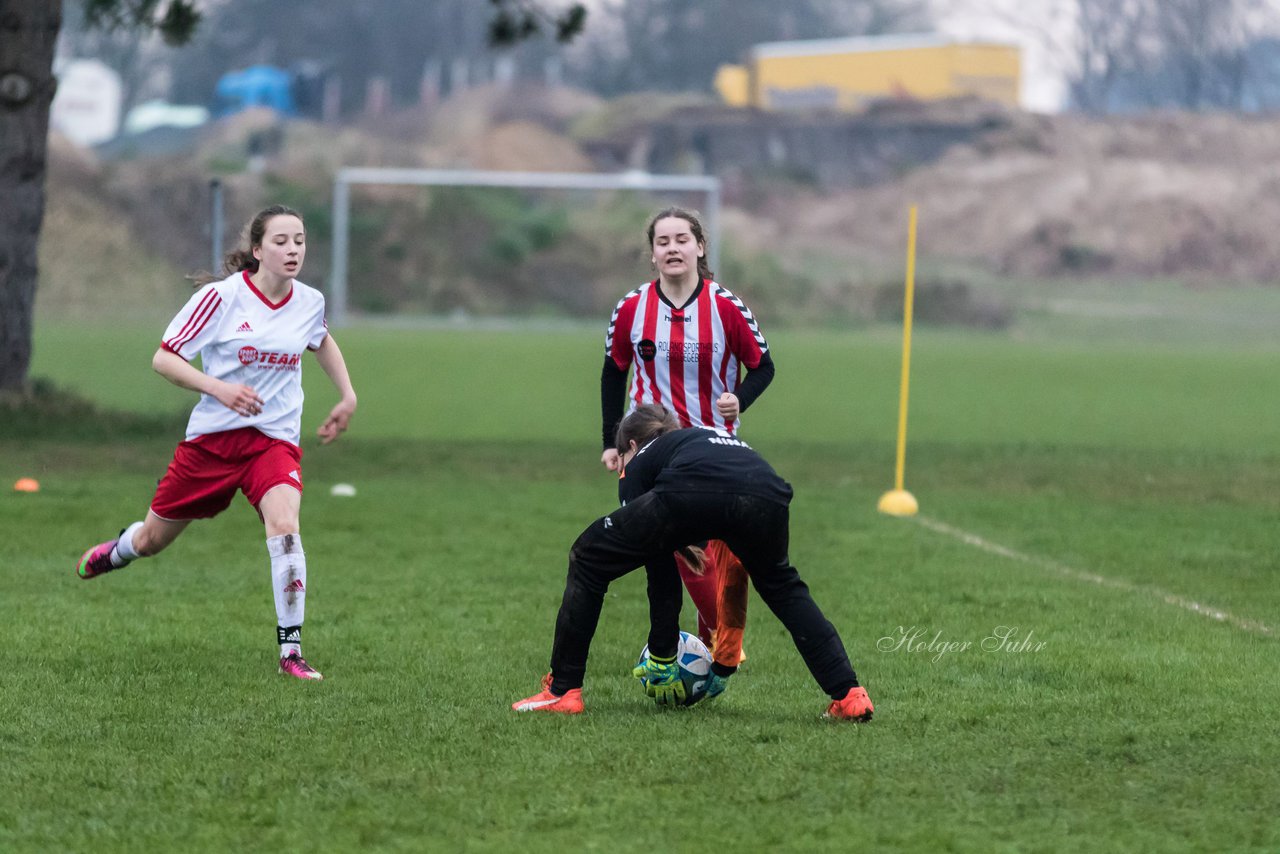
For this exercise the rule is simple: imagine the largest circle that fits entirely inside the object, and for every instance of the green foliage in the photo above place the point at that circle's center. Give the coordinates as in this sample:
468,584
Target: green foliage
514,226
476,249
1076,258
174,20
316,210
227,164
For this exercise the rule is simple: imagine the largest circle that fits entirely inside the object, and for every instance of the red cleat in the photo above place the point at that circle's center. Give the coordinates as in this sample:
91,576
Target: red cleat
570,703
856,706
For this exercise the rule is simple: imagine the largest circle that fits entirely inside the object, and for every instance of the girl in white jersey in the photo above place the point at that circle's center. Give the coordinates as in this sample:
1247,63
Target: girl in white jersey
685,339
249,330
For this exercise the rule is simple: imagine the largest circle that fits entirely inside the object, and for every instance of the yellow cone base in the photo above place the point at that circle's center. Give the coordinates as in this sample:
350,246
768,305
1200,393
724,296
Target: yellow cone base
898,502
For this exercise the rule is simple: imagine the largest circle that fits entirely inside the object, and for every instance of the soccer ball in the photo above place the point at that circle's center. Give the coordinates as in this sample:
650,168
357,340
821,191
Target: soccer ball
695,666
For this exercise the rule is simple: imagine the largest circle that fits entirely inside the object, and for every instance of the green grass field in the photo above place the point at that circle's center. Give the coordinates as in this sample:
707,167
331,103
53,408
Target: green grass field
1082,494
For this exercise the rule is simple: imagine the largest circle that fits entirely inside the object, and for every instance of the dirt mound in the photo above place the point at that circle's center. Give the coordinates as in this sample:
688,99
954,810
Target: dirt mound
527,146
1186,195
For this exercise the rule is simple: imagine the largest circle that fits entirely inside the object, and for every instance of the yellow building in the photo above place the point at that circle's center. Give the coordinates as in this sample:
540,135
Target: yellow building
846,73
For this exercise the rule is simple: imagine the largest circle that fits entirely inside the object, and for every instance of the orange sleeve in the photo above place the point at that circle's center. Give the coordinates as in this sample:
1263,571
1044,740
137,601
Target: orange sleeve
731,602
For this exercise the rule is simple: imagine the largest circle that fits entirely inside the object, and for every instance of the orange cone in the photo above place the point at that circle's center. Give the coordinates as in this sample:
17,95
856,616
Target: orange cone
26,484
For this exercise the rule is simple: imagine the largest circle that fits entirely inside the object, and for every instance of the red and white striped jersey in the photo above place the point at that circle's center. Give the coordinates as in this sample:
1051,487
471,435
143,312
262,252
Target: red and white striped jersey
684,358
242,337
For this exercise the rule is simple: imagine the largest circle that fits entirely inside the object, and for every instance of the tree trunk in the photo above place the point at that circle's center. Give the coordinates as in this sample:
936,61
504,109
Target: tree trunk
28,31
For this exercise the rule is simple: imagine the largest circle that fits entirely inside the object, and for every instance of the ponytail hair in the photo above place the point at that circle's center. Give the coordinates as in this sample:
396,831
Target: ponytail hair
241,258
644,424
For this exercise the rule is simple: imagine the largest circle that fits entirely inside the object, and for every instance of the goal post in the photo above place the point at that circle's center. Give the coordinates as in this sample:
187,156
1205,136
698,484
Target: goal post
634,180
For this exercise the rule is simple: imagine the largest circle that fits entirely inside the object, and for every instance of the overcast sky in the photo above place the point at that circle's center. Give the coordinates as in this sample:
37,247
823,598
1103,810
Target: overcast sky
1043,87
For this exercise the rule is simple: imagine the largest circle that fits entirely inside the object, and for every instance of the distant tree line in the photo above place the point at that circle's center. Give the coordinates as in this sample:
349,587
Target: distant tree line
1116,55
675,45
618,46
1127,55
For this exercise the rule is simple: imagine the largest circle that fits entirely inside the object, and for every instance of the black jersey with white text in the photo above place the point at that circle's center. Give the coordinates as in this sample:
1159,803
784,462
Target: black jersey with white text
701,459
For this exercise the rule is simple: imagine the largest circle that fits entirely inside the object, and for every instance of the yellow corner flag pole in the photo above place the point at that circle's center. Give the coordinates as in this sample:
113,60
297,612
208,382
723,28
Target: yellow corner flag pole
897,501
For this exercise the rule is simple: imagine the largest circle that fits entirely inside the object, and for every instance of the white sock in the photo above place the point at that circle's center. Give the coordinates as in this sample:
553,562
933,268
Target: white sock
289,584
123,552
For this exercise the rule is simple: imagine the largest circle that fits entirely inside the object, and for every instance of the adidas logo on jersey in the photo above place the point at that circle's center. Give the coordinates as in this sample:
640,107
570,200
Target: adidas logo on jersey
294,474
245,327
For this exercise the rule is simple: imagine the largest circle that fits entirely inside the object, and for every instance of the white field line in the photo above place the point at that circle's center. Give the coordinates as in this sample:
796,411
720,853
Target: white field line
1093,578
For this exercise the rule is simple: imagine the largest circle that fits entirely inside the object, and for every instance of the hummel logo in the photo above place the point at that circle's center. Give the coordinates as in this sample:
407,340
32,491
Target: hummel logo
245,327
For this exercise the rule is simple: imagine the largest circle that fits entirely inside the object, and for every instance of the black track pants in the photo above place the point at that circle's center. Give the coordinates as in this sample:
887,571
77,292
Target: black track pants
645,533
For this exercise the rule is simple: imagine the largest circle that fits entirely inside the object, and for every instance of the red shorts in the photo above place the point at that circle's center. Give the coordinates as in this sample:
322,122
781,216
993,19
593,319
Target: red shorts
207,471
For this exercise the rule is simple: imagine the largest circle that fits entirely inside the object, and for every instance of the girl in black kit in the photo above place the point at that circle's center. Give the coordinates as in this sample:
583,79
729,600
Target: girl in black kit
683,486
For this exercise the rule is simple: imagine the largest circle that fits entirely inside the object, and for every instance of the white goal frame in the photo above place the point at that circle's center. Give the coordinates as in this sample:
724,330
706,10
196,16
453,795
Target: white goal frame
634,180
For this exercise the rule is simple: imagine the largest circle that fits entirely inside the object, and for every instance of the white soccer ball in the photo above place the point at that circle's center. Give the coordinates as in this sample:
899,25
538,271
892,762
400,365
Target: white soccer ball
695,666
344,490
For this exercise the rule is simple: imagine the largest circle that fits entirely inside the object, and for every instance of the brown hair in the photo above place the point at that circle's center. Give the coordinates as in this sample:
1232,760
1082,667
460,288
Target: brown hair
695,225
644,424
241,258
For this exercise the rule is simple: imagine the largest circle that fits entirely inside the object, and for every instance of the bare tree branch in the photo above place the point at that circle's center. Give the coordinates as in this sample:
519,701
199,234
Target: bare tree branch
516,20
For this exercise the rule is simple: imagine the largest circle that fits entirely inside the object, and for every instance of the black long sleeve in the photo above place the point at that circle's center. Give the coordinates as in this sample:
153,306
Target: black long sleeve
613,395
755,382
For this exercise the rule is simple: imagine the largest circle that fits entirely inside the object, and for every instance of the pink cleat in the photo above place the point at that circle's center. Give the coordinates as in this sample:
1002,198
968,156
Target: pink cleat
97,560
294,665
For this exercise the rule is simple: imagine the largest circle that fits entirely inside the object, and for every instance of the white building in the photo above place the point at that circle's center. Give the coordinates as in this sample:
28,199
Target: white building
86,107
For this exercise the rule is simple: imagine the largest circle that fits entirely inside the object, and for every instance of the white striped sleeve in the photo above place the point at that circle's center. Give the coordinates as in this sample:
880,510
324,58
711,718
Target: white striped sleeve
613,320
752,326
194,325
